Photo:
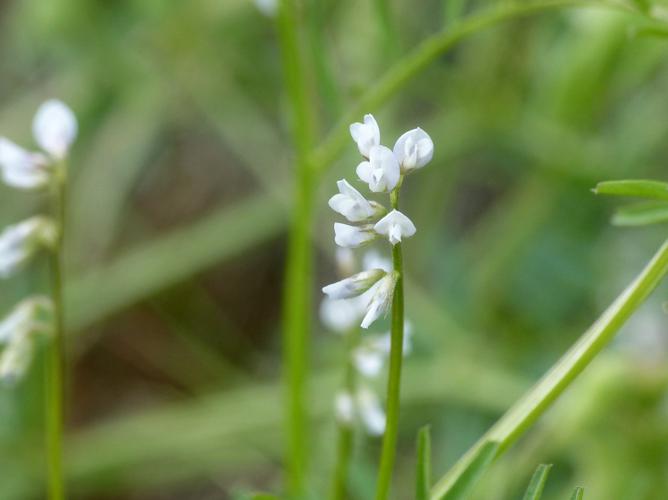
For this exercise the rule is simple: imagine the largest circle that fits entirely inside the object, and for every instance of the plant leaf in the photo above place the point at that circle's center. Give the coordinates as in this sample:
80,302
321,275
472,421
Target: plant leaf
468,477
640,214
423,472
636,188
538,480
518,419
578,494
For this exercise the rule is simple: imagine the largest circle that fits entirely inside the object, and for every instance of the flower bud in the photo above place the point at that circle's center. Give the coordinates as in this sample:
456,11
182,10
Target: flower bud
366,135
414,150
55,128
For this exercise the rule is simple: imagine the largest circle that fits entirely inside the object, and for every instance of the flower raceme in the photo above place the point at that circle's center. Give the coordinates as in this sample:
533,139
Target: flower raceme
54,130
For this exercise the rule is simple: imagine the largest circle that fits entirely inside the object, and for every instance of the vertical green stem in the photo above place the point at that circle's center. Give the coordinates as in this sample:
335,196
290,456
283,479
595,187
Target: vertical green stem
345,438
394,382
55,358
297,291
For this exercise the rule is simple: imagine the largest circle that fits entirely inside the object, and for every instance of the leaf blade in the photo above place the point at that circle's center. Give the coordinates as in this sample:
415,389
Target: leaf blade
537,483
639,188
641,214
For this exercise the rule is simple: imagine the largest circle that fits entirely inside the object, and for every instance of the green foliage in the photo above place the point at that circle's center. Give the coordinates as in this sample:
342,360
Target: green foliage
578,494
537,484
461,486
635,188
423,468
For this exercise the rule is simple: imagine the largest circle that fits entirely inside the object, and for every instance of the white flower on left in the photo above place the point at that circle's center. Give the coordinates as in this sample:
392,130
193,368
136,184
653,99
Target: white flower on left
17,333
354,285
350,203
54,128
18,243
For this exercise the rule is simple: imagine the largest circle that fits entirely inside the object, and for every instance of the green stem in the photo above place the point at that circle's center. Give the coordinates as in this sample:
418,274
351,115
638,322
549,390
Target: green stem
518,419
389,450
345,430
55,358
297,292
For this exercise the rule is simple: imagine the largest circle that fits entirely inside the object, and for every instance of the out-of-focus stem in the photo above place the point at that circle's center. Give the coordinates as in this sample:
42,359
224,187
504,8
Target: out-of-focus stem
346,434
297,292
55,357
389,450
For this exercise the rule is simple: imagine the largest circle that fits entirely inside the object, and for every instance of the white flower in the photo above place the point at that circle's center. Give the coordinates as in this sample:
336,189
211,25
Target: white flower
344,406
18,332
350,203
352,236
395,226
370,411
16,358
364,406
366,135
55,128
267,7
341,316
354,285
346,263
24,318
381,171
20,168
369,357
381,300
414,149
18,243
374,260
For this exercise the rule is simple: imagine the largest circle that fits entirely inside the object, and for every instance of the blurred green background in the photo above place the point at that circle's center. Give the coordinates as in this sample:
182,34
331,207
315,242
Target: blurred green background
180,189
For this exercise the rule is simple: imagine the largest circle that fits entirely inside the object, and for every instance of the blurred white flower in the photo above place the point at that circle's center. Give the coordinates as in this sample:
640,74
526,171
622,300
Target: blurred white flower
363,406
366,135
414,149
353,236
370,356
381,171
395,226
344,407
22,169
371,412
374,260
15,359
55,128
19,242
354,285
340,316
346,263
17,332
267,7
350,203
381,299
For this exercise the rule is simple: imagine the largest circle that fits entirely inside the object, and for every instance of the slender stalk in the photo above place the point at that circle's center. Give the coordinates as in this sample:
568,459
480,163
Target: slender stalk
389,450
346,435
55,359
297,293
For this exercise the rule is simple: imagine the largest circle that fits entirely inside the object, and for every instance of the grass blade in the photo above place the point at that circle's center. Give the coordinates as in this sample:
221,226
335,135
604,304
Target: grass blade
538,480
423,472
641,214
578,494
528,409
465,481
636,188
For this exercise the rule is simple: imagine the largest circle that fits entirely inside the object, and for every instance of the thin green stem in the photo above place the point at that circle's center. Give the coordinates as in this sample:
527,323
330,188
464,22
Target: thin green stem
345,430
55,358
389,450
518,419
297,293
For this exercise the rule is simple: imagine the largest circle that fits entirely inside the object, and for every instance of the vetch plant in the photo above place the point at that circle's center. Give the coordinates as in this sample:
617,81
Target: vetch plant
54,130
380,287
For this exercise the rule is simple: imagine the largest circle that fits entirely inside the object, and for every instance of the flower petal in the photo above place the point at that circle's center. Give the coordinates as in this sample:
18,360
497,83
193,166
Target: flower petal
55,128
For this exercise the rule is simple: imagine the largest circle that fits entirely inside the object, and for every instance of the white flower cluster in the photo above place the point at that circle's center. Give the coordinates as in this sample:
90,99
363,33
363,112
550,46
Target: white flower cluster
54,129
369,356
383,170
